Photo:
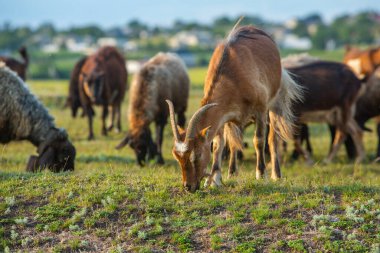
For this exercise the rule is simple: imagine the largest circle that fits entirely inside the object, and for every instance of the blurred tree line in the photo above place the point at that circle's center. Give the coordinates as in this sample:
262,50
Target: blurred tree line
362,28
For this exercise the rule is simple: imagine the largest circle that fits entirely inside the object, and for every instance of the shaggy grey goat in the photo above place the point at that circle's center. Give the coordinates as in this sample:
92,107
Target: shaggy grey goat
23,117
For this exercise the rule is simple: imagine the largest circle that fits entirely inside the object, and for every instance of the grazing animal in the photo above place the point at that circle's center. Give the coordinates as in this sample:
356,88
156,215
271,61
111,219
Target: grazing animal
17,66
23,117
73,100
367,107
103,81
331,90
245,82
362,62
162,77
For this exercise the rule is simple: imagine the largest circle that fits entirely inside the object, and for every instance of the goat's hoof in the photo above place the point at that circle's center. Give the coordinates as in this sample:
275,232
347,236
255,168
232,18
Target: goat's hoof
160,161
214,180
110,128
309,162
275,177
91,137
259,175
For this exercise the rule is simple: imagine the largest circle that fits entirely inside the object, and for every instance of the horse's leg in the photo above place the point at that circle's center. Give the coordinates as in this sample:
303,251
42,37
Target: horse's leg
273,143
259,143
104,117
215,178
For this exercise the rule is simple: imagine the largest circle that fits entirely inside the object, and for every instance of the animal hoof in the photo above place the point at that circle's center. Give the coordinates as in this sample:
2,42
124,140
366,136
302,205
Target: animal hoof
110,128
259,175
160,161
91,137
104,132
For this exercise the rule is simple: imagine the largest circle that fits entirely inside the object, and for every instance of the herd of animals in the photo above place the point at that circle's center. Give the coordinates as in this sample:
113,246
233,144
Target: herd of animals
246,82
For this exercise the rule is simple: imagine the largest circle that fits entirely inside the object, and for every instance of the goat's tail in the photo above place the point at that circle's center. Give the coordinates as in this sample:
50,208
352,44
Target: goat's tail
233,136
280,110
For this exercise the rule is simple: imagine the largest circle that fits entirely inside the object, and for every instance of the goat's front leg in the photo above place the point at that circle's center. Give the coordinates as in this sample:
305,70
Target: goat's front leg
89,112
159,138
104,117
112,120
215,177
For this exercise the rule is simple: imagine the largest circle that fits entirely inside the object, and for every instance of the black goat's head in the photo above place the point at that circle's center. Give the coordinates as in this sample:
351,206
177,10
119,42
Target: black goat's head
56,153
142,143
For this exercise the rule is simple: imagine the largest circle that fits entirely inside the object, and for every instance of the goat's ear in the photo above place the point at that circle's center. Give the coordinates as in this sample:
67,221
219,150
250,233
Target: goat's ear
205,131
124,142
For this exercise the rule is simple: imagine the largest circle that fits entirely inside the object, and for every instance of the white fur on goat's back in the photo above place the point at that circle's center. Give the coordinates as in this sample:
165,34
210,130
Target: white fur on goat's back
281,106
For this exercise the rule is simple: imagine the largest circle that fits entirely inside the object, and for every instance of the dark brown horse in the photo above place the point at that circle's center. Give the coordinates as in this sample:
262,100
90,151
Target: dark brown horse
103,81
17,66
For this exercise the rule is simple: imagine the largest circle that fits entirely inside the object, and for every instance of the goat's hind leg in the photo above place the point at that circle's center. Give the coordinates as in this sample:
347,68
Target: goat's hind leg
357,136
273,143
259,141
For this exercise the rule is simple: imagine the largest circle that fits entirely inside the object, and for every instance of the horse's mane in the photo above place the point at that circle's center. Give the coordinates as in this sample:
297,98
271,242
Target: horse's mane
244,32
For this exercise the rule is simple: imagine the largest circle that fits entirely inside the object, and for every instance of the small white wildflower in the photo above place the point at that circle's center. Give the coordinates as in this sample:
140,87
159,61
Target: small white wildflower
21,220
10,201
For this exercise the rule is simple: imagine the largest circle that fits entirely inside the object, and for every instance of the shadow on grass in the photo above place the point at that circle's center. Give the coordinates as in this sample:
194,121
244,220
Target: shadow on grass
105,159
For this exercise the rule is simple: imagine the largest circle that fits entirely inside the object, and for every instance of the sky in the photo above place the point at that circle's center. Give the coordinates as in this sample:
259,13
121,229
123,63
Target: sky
66,13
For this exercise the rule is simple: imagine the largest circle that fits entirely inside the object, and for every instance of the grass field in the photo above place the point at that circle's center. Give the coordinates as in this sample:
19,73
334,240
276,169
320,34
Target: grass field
108,204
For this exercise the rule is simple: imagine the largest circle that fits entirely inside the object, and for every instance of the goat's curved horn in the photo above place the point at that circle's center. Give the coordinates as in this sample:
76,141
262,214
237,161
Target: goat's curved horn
172,120
191,128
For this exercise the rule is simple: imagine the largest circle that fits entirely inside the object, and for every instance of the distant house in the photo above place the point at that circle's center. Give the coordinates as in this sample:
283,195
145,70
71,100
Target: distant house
107,41
291,41
190,39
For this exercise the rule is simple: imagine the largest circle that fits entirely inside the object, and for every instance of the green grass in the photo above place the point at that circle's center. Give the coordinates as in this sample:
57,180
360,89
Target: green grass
110,204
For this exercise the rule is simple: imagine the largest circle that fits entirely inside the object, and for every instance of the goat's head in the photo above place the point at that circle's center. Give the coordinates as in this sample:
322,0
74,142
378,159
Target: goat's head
56,153
93,85
191,148
141,142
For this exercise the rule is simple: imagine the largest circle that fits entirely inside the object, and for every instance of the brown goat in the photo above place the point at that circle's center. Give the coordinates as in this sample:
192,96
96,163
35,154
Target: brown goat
331,90
73,99
244,82
103,81
162,77
362,62
17,66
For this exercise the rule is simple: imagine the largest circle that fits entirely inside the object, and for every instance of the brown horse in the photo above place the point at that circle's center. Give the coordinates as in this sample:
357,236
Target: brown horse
103,81
245,82
19,67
